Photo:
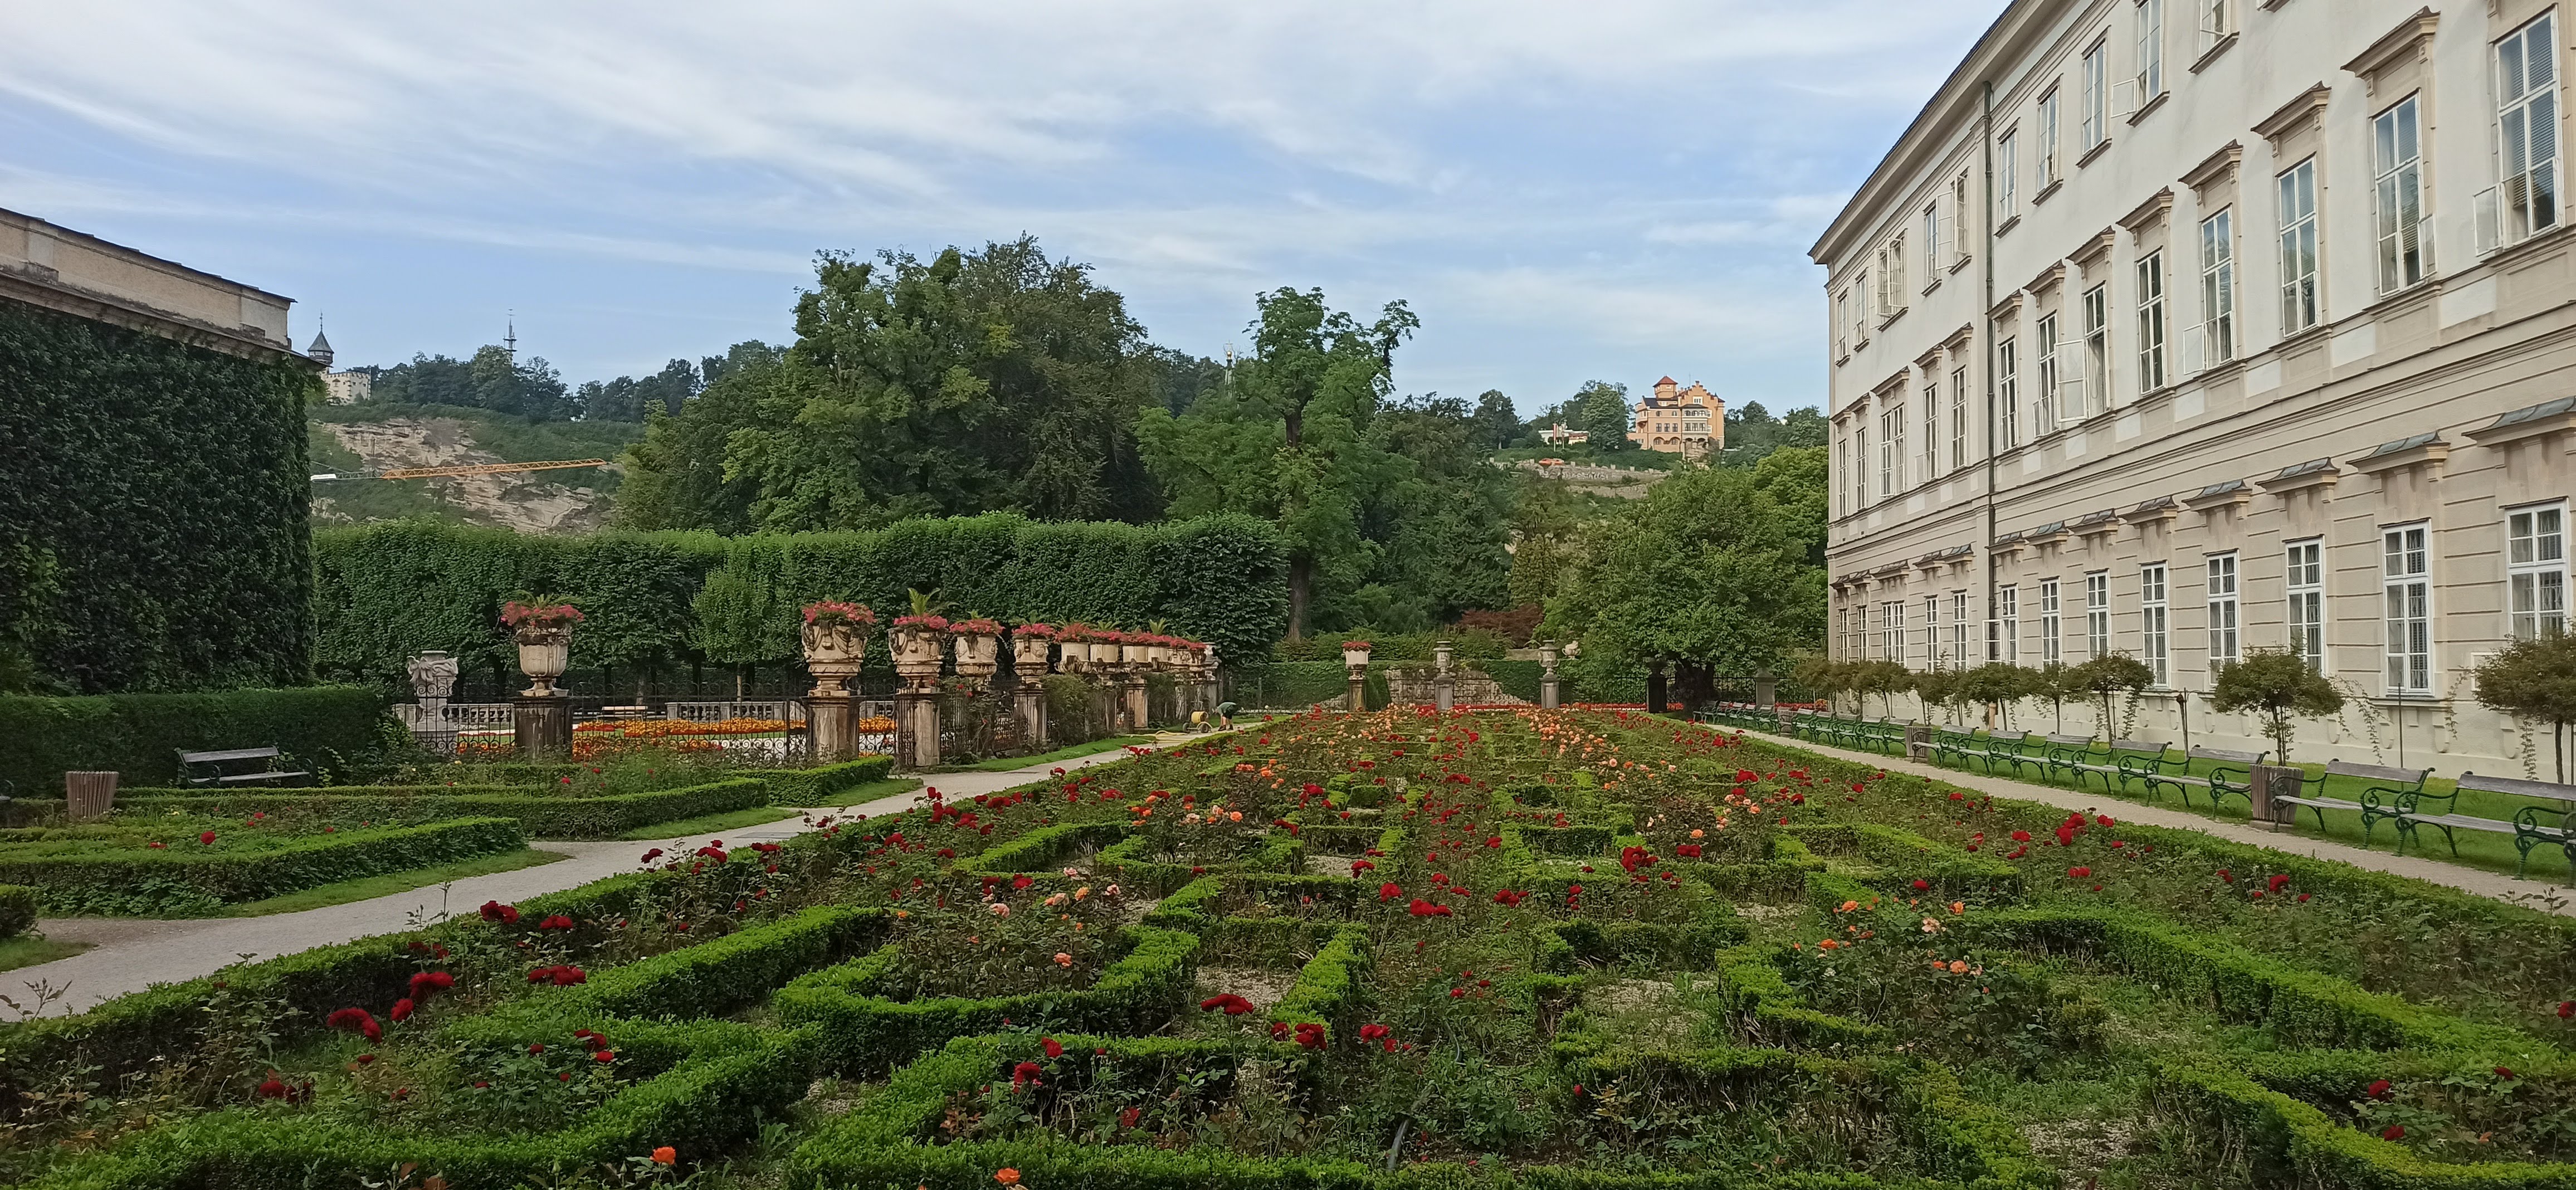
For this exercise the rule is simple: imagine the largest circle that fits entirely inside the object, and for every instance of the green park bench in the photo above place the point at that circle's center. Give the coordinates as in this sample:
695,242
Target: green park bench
2013,749
214,769
2229,772
2069,754
2400,798
2528,829
1951,746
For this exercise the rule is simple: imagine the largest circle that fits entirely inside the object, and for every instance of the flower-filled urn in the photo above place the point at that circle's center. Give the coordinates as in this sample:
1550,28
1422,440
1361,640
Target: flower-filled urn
979,647
1029,645
1355,653
918,641
1135,651
835,636
543,629
1075,656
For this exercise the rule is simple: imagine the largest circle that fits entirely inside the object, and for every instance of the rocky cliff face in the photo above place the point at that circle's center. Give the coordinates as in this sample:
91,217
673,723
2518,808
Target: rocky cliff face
531,502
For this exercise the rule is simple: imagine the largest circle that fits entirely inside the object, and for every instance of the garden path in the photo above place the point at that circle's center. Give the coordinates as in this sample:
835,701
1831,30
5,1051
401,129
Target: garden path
2533,894
131,954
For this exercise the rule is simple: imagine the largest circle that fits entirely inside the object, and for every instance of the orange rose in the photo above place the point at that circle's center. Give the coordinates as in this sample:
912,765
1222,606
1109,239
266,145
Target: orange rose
665,1155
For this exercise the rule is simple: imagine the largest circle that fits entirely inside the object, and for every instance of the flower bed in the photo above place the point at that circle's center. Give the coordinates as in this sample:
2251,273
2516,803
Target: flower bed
179,865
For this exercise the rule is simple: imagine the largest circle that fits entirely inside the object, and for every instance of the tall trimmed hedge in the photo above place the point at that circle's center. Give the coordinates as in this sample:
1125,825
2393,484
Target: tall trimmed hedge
386,591
153,514
329,731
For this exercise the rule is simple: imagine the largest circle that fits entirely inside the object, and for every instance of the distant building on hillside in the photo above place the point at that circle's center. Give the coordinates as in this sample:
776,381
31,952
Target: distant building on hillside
1558,435
344,388
1690,422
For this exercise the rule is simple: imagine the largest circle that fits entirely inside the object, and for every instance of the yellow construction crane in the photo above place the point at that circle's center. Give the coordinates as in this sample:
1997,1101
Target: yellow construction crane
469,469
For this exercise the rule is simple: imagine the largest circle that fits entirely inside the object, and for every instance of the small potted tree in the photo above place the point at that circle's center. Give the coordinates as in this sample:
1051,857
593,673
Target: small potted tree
2278,684
835,636
2535,679
542,625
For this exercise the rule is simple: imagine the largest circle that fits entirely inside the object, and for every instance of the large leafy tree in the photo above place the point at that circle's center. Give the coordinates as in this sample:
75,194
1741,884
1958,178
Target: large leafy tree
1601,407
1290,439
1715,569
494,379
975,381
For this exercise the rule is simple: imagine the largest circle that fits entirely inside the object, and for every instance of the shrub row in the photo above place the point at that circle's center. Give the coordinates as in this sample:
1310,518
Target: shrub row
2287,1142
539,814
1328,991
180,883
817,785
331,731
18,907
1766,1007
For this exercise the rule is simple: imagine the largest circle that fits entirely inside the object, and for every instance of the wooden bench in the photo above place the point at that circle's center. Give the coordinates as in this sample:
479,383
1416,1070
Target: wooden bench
2528,830
2163,770
205,770
2398,796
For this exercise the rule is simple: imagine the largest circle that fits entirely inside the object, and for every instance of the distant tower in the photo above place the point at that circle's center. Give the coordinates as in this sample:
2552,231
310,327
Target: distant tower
320,351
511,338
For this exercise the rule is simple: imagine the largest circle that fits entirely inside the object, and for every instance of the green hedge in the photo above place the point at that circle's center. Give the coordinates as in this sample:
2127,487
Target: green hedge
331,731
18,906
386,591
2286,1142
153,524
179,883
814,786
540,815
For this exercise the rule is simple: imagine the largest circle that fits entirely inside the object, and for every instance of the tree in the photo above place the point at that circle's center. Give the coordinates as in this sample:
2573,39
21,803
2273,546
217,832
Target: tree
742,621
1601,408
1289,439
1886,679
2110,672
1497,423
2535,678
1822,675
1937,688
2056,682
2279,683
629,399
493,379
1997,684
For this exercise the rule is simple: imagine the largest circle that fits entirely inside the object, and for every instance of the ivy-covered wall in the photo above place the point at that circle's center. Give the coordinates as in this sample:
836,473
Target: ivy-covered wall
386,591
153,501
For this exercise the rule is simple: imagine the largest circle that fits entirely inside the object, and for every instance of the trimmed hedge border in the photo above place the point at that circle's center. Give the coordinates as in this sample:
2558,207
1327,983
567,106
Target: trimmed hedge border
177,882
539,814
328,730
810,787
18,909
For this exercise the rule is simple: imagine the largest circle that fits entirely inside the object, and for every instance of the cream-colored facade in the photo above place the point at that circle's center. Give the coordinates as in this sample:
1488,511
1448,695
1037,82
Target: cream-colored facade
2185,327
54,267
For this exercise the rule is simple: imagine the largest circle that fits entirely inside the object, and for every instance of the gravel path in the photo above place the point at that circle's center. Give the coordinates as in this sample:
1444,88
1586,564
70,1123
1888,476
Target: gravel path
131,954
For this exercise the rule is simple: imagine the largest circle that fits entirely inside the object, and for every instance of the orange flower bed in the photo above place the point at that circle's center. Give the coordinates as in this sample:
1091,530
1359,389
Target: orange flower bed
656,729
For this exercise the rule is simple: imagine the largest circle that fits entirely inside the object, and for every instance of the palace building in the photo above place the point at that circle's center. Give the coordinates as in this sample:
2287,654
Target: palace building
2179,328
1676,420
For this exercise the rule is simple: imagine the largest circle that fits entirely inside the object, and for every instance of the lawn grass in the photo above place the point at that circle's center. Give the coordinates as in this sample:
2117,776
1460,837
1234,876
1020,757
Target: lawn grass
724,820
859,795
27,952
1004,764
370,887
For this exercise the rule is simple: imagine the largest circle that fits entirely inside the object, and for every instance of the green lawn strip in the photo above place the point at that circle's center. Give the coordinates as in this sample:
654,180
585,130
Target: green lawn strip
721,821
27,952
369,887
859,795
1004,764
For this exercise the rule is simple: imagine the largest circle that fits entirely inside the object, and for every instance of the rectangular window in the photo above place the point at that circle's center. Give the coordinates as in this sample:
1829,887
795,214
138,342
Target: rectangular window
1891,451
1895,272
1842,324
2154,625
1959,420
2049,136
2218,287
2151,322
2397,189
2217,20
2043,405
1842,462
2536,570
1931,424
1959,629
2405,579
2052,638
2223,638
2151,49
2008,623
1860,472
2007,395
2307,587
1933,656
2527,127
2095,395
1958,220
1891,631
2299,247
2097,613
1932,259
2007,174
1861,308
2096,78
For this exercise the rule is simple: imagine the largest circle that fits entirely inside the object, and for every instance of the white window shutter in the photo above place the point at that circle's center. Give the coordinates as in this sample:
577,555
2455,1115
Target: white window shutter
2195,348
2490,220
2124,97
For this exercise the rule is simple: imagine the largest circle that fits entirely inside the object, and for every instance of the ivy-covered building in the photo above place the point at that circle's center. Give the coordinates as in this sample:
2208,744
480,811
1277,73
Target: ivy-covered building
153,485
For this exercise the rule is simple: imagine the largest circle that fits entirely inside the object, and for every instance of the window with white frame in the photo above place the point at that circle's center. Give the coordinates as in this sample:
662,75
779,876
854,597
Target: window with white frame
1959,222
1932,254
2097,613
2008,623
2299,247
1842,324
2536,570
1893,269
2095,395
1860,469
1931,424
1959,629
2527,127
1933,656
2307,590
2223,637
2096,127
2406,585
2052,635
1862,302
2050,108
2007,395
1959,419
1842,464
1891,631
2007,173
1891,450
2043,404
2151,49
2217,21
2151,321
2218,287
2397,196
2155,625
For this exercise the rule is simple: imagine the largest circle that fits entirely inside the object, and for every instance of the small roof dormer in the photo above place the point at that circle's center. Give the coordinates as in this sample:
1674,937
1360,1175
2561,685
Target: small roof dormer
320,351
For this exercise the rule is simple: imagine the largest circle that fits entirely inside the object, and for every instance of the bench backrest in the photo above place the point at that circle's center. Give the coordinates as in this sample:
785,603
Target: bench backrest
2228,756
2518,786
2157,748
2072,741
2376,772
219,757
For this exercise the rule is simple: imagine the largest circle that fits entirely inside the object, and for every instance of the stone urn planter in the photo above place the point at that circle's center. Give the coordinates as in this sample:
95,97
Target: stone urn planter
543,628
1135,652
1075,656
918,642
1355,653
835,636
978,646
1029,646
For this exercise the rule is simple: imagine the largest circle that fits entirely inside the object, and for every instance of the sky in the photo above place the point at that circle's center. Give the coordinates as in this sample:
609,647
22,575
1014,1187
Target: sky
1561,191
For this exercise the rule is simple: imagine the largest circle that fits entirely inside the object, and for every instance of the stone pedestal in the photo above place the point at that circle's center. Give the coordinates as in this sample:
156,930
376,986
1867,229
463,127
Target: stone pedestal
542,725
1444,680
1031,706
1918,742
1549,693
1106,716
833,717
1788,719
89,795
2270,781
1140,714
916,729
1766,689
433,680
